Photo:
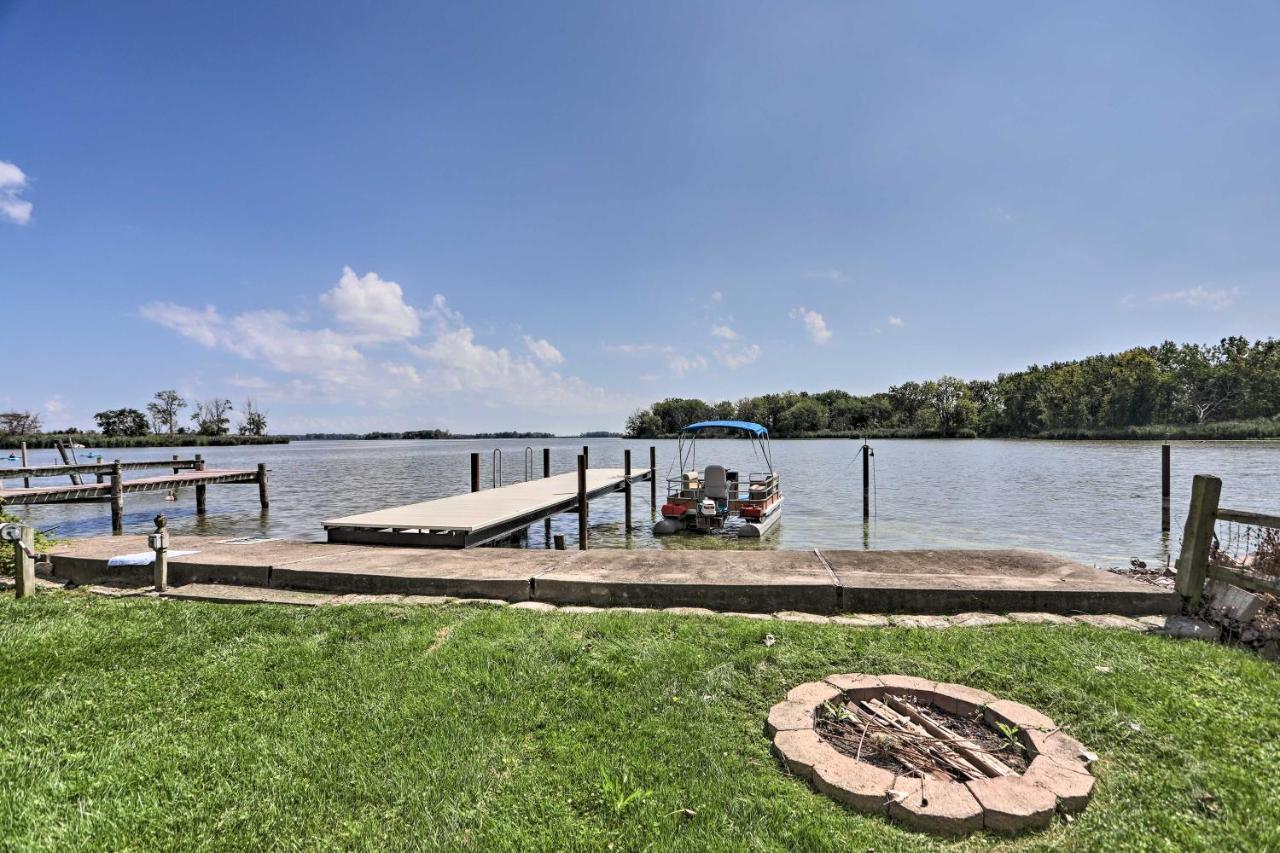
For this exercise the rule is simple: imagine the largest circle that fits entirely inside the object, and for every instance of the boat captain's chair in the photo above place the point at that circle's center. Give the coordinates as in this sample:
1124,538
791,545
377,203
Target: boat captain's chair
715,484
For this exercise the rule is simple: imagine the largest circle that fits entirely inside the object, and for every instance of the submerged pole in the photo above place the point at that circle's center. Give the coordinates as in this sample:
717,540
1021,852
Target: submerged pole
653,478
866,481
626,472
262,485
546,472
117,500
201,488
582,503
475,472
1165,452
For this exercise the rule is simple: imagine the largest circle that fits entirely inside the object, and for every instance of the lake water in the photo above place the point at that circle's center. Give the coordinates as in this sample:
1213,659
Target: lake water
1098,502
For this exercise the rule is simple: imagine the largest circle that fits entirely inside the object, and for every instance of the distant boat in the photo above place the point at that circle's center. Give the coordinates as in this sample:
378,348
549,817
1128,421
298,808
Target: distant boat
706,500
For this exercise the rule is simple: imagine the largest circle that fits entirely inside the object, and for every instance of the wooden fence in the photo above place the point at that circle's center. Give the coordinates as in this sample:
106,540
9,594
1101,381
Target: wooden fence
1195,564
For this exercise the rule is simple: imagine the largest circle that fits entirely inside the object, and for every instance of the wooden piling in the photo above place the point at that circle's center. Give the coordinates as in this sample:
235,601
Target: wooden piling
866,482
1197,538
200,487
262,485
626,470
26,481
175,467
546,472
586,456
117,499
559,541
653,478
24,564
475,472
1165,451
582,503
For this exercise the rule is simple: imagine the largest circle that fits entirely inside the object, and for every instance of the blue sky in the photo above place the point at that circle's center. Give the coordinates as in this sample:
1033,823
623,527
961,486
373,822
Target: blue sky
541,216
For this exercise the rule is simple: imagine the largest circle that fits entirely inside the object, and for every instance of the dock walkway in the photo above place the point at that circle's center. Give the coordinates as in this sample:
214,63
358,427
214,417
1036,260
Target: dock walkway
467,520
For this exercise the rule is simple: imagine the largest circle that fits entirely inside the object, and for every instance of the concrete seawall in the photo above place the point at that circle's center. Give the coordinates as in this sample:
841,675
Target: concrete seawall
824,582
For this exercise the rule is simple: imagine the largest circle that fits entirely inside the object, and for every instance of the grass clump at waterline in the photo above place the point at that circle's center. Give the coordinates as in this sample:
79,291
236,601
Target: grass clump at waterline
149,723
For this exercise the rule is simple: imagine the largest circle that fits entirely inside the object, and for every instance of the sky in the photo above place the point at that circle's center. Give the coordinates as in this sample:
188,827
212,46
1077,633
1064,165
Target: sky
541,216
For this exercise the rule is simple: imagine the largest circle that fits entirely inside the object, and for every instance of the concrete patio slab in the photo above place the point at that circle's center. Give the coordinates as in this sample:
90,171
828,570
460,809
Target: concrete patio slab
485,573
992,581
752,581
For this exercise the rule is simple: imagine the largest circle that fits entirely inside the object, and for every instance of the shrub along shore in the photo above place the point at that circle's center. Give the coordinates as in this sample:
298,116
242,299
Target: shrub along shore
97,440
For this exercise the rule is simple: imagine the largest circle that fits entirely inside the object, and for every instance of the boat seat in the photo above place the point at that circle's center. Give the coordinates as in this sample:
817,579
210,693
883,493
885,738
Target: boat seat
715,484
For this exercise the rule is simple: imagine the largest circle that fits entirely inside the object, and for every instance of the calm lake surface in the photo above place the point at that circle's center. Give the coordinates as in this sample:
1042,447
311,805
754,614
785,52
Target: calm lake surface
1098,502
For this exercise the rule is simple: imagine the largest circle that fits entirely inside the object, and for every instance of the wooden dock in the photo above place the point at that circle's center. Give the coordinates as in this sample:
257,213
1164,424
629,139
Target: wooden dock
111,486
464,521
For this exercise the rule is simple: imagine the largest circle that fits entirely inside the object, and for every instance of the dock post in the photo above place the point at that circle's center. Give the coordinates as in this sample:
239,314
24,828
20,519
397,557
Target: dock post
175,467
117,499
582,503
1165,452
159,542
626,470
26,481
262,485
23,538
546,472
66,460
200,487
866,481
586,456
475,472
653,478
559,541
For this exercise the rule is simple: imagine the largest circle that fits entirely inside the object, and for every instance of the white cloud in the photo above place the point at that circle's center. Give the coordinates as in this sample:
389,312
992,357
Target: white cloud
331,363
372,308
543,351
679,365
720,330
716,296
200,325
12,182
1201,297
895,321
633,349
814,323
733,358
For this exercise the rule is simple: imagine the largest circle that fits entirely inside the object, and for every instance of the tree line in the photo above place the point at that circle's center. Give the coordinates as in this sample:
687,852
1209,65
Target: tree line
1187,386
163,416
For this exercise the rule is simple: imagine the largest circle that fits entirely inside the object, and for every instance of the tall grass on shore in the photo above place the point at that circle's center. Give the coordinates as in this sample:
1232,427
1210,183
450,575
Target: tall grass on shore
90,439
1254,428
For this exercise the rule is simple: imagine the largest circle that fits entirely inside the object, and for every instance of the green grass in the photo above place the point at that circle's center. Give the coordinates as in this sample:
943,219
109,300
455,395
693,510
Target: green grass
145,723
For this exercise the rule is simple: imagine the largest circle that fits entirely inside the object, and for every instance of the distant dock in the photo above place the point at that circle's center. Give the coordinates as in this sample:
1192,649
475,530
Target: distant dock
111,486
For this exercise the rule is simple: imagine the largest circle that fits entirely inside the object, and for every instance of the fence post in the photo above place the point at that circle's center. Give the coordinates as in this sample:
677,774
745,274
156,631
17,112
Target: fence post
1197,537
23,538
117,499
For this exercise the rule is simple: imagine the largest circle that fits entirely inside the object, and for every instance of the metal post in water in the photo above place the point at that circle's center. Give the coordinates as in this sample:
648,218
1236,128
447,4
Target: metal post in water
653,478
1165,453
626,472
475,472
582,503
866,481
546,472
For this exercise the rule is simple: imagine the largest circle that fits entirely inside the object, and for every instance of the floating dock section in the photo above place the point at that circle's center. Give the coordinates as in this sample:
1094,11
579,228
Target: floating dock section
464,521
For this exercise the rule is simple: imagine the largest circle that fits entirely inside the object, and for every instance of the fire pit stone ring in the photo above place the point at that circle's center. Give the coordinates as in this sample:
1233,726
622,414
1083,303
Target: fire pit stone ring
1054,773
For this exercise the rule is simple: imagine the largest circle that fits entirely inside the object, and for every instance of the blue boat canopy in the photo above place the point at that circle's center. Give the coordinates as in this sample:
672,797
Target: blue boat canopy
745,426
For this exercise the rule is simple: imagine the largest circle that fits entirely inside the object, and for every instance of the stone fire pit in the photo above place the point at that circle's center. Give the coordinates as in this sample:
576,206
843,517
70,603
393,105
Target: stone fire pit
1056,775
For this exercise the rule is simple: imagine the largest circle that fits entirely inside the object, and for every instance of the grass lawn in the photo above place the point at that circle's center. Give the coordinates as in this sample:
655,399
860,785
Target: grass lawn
147,723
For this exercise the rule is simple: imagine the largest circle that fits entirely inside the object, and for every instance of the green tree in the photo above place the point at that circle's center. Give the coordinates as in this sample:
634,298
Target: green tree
122,422
164,410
